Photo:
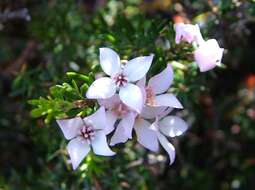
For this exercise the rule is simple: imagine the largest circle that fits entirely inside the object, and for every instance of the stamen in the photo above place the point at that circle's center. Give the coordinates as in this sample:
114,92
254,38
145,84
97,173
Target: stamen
87,133
120,79
150,96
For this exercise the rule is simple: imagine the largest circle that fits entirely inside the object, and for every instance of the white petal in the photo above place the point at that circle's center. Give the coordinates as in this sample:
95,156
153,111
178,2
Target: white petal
149,112
97,119
165,113
128,123
109,102
167,146
101,88
172,126
161,82
70,127
168,100
146,136
110,121
109,61
119,136
208,55
132,96
142,82
124,129
100,146
77,149
137,68
188,33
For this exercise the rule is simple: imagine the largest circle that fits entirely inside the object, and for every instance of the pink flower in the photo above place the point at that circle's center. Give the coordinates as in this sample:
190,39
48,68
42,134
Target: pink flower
116,110
156,98
208,55
84,134
151,135
121,79
188,33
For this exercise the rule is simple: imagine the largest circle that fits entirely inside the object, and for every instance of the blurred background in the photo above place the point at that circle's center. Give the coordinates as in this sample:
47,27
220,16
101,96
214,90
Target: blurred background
40,40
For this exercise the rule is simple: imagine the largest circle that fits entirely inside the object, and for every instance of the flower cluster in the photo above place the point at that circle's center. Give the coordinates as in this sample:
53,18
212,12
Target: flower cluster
129,102
208,54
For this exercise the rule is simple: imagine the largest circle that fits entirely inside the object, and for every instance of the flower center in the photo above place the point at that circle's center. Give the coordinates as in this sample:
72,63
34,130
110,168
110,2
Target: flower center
120,79
120,109
150,96
87,132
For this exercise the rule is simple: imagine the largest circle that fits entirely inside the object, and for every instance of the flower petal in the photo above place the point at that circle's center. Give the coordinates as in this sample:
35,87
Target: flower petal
167,146
137,68
172,126
110,121
109,61
149,112
132,96
188,33
145,136
109,102
208,55
100,146
77,149
101,88
161,82
119,136
124,129
70,127
165,112
128,123
97,119
168,100
142,82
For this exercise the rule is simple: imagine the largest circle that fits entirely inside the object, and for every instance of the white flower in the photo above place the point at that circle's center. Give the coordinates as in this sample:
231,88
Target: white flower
188,33
116,110
150,135
156,98
84,134
121,79
208,55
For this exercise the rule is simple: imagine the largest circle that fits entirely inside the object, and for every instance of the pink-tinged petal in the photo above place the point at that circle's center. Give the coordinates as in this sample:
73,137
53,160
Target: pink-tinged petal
188,33
124,129
145,136
109,103
119,136
70,127
77,149
161,82
137,68
142,82
100,146
173,126
128,123
167,146
109,61
165,113
101,88
178,32
199,38
208,55
111,119
149,112
97,119
168,100
143,90
132,96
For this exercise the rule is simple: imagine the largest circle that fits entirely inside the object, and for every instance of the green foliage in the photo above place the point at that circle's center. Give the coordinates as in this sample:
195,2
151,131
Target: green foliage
66,100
